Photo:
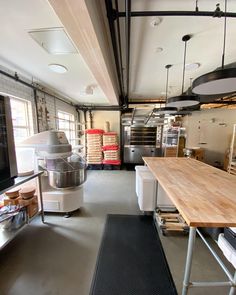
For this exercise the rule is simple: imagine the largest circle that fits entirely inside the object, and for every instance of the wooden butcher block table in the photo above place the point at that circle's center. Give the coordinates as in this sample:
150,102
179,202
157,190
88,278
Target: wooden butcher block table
204,195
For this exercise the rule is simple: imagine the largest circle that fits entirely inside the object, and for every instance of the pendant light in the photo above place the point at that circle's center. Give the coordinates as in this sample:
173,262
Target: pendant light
183,100
220,81
165,110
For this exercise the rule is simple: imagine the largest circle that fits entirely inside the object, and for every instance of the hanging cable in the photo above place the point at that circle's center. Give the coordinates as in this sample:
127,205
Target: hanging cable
224,42
185,39
196,8
167,79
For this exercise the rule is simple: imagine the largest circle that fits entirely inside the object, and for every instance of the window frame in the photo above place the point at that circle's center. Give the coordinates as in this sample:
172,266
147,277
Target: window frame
71,128
28,117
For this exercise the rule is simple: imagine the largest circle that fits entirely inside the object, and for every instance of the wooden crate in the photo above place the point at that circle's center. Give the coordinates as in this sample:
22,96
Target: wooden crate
170,222
171,151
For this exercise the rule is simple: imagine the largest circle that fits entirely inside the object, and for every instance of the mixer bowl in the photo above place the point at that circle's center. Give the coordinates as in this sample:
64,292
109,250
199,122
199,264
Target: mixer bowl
67,179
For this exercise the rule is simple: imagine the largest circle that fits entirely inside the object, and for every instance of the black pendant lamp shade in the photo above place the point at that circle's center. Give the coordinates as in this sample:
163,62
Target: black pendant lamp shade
183,100
165,110
217,82
221,81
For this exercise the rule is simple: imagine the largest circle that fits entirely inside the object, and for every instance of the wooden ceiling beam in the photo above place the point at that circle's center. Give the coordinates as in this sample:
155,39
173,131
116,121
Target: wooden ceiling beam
84,23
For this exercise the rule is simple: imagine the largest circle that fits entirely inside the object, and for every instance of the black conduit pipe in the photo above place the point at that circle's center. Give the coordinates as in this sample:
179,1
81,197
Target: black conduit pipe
119,46
85,118
111,20
17,79
90,119
127,37
173,13
36,108
99,108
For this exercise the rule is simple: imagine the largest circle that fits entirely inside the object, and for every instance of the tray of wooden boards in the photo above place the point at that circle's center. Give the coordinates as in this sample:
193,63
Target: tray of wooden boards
170,222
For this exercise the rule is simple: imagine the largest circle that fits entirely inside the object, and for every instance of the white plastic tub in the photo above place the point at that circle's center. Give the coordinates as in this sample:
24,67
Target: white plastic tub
138,169
163,201
25,161
146,191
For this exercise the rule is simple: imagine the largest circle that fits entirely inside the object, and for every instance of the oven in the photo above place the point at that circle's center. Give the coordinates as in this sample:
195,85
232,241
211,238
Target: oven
138,142
8,168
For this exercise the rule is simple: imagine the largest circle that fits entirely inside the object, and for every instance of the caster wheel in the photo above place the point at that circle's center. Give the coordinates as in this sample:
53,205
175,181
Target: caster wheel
67,215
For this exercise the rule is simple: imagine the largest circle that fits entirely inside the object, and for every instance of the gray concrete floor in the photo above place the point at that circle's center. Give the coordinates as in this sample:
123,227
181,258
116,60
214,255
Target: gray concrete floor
58,258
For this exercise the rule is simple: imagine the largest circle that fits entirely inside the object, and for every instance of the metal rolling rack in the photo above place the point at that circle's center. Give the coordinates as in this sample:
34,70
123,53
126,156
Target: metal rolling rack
7,236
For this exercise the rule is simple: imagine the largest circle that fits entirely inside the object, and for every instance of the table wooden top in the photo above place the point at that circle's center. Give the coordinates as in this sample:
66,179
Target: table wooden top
204,195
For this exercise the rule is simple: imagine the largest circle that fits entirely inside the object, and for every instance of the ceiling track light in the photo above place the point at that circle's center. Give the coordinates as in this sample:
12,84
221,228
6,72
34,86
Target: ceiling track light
183,100
218,82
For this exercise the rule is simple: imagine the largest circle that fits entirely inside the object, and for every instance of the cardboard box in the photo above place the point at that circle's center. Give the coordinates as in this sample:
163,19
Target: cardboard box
31,205
8,201
27,202
32,209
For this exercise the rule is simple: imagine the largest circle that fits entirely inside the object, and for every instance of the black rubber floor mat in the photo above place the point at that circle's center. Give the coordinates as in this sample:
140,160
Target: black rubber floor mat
131,260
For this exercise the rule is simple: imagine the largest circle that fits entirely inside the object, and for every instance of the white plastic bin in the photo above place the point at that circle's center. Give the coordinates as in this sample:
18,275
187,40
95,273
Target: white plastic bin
146,191
25,161
227,249
163,201
138,169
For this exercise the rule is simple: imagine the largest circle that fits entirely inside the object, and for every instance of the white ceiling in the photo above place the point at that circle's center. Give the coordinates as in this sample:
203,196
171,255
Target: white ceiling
147,67
22,52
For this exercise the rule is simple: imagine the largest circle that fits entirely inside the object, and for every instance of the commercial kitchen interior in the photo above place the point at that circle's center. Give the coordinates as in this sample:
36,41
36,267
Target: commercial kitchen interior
99,64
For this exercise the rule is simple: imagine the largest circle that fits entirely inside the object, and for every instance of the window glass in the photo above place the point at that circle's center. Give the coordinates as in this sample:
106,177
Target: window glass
21,119
66,123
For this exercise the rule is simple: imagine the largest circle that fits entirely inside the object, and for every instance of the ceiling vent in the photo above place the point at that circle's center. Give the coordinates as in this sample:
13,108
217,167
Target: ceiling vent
53,40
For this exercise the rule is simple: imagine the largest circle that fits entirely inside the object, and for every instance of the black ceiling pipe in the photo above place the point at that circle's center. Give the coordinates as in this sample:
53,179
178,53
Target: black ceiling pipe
171,13
228,102
127,37
90,119
36,108
119,46
147,102
85,119
202,102
99,108
111,19
17,79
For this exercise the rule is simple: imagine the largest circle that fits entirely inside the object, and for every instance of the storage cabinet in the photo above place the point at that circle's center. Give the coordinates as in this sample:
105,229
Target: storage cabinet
173,141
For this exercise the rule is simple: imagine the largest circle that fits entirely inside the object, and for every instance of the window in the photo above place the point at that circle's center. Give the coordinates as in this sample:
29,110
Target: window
21,118
66,123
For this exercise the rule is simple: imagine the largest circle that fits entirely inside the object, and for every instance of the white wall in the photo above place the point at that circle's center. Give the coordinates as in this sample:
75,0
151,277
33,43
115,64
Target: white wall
54,105
11,87
211,130
100,117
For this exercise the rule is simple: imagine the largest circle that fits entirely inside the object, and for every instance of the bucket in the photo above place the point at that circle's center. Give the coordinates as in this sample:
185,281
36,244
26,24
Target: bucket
25,161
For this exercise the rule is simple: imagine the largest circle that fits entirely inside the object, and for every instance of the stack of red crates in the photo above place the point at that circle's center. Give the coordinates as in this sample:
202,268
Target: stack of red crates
111,149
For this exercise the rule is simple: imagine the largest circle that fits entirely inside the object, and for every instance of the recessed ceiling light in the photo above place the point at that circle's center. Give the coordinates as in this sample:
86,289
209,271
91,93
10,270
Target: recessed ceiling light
192,66
58,68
